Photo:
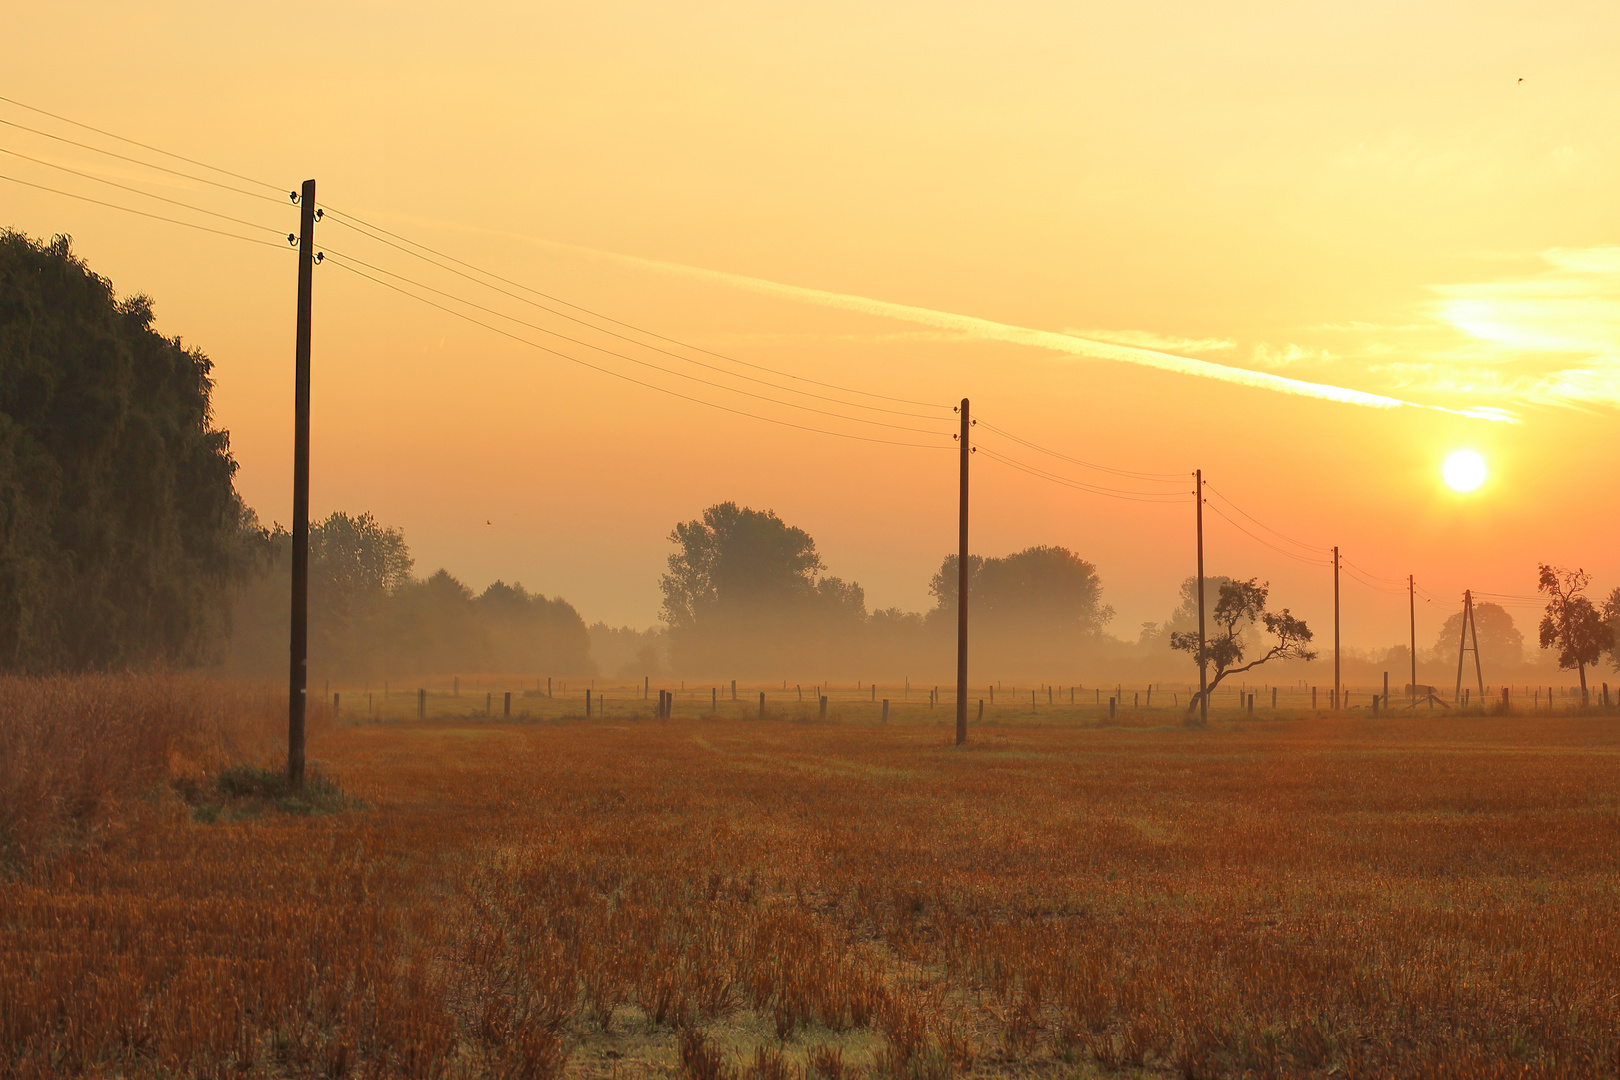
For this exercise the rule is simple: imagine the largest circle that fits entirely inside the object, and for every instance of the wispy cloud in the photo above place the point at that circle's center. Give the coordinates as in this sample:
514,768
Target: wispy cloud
1147,339
990,330
1553,337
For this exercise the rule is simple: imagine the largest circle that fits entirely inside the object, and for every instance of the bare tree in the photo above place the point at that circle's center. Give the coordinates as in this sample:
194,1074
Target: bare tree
1572,623
1243,603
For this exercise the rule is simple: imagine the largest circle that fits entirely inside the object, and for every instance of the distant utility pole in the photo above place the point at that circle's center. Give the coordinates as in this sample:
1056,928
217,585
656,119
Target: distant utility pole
1411,612
297,672
962,590
1203,661
1337,690
1468,627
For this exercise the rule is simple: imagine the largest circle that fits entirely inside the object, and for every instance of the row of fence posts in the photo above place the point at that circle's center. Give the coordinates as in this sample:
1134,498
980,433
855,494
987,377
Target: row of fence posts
666,699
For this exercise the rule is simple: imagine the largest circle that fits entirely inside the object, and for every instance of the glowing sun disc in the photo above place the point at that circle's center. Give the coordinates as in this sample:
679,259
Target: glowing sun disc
1464,471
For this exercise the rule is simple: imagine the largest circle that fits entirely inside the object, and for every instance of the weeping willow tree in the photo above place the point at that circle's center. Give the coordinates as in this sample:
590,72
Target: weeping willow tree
120,528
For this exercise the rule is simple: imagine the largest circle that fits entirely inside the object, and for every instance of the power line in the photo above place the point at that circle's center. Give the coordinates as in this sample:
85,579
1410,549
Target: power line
143,146
145,214
608,318
1152,478
1160,497
138,191
623,356
1263,525
620,375
1261,539
625,337
138,161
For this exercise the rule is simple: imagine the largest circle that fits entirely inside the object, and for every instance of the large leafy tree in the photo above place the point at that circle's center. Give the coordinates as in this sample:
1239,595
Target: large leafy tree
744,589
1572,624
1047,589
1241,604
120,530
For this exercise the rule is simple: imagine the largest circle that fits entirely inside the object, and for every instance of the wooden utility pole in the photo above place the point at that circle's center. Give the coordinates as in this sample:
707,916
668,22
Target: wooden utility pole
297,670
962,590
1411,614
1469,628
1203,661
1337,690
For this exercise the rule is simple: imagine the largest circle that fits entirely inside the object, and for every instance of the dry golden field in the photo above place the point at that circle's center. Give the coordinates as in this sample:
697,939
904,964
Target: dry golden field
724,896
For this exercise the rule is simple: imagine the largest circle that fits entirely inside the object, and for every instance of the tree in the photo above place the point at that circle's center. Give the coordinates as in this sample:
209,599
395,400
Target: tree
1242,603
1050,589
1611,615
1501,645
120,530
744,592
1185,617
529,633
355,565
1573,625
735,562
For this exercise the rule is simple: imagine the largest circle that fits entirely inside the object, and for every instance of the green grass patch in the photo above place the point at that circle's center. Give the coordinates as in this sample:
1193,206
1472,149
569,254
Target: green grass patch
246,792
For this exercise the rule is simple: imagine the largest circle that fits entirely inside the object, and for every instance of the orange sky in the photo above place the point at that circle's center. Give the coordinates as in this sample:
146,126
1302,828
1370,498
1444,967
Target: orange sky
1363,197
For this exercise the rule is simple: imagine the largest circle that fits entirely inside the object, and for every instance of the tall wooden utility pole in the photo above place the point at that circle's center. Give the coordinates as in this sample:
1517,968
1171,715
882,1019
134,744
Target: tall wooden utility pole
1337,689
962,591
1203,660
1411,612
297,673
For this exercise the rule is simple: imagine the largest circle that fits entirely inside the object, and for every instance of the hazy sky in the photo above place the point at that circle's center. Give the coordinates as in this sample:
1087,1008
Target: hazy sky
1117,228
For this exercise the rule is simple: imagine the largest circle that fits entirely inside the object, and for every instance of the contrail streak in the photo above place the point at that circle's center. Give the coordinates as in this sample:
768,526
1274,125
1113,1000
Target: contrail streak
991,330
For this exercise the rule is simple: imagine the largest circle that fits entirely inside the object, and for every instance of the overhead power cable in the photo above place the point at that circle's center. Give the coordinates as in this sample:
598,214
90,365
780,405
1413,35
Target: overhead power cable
1081,485
1297,543
145,214
625,337
1262,540
143,146
624,356
339,215
1152,478
138,191
142,164
619,374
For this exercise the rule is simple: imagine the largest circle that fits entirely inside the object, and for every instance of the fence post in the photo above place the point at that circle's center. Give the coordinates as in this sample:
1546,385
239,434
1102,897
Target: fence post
587,703
421,704
733,689
1111,708
1313,697
824,706
336,710
506,707
762,704
885,710
714,699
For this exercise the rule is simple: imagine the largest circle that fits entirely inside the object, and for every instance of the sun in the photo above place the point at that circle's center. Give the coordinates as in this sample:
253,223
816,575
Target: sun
1463,471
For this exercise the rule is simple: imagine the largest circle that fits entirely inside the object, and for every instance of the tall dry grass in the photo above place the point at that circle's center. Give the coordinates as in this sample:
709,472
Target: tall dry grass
734,899
78,753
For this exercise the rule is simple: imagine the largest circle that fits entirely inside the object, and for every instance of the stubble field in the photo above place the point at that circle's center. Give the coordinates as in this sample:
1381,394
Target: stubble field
718,895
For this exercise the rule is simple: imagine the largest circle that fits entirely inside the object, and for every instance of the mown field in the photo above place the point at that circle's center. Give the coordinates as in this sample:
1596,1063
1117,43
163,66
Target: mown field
717,895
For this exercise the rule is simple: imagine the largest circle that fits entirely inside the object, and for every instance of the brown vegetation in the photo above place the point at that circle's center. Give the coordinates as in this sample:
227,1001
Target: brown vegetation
727,898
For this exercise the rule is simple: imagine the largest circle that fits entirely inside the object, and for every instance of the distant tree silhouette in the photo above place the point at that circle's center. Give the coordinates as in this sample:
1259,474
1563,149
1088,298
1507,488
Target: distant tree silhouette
744,589
1572,624
120,530
1611,616
1243,603
1040,589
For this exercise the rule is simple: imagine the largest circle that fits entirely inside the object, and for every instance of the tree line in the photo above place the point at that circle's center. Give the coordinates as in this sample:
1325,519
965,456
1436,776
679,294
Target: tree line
124,544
